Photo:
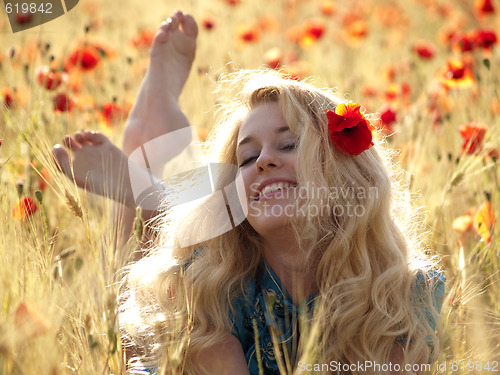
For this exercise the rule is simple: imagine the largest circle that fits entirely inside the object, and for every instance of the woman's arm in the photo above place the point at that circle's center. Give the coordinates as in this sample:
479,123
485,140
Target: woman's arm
226,358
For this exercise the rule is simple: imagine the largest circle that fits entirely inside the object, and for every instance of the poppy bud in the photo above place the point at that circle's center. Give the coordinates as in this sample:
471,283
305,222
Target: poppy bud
20,187
39,196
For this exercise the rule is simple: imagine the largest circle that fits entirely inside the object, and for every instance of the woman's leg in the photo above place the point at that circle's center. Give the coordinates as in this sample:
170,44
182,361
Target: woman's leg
155,113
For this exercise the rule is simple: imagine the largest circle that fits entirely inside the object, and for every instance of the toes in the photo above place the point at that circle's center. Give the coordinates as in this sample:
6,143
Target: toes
175,21
95,138
189,25
62,159
79,138
179,15
71,143
166,25
163,33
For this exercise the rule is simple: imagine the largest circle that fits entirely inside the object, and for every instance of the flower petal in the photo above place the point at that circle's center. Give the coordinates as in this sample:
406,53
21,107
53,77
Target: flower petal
349,129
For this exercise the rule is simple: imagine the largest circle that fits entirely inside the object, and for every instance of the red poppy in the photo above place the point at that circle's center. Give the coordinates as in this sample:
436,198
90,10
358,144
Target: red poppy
208,22
357,30
248,33
473,135
268,23
310,32
495,106
463,42
388,72
485,38
315,28
85,58
112,112
391,16
424,49
24,208
292,76
447,33
388,116
369,91
349,129
327,7
405,89
295,71
294,33
24,18
492,153
62,103
485,7
48,78
8,98
457,75
144,39
42,181
392,91
444,10
273,57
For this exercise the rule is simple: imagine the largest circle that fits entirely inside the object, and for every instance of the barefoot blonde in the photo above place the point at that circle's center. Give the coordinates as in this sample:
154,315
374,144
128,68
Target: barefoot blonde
366,297
284,291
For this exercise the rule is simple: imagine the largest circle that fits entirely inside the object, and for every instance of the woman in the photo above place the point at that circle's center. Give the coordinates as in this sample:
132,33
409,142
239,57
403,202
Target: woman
319,277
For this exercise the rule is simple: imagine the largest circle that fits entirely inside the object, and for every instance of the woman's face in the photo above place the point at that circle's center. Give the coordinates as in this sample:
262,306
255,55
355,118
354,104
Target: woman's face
266,155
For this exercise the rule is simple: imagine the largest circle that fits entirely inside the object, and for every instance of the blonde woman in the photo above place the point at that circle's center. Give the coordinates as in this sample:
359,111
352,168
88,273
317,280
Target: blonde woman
316,276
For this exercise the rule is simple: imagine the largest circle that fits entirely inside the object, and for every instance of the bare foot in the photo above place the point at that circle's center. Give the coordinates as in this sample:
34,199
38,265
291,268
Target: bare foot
156,111
97,165
102,168
172,53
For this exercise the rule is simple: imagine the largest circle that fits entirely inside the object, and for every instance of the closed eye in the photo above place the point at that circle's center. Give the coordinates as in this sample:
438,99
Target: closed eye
246,161
289,147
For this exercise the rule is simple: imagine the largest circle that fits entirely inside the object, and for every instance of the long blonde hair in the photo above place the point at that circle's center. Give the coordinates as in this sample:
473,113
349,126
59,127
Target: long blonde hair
176,302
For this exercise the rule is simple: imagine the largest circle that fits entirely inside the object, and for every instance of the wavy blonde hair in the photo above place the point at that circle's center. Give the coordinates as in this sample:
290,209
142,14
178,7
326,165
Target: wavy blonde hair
176,301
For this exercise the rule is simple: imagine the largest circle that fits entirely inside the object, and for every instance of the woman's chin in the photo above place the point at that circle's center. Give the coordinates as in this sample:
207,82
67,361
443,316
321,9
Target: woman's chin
269,225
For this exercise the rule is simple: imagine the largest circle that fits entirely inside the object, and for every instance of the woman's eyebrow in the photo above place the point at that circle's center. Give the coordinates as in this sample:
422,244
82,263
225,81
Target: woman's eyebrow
250,138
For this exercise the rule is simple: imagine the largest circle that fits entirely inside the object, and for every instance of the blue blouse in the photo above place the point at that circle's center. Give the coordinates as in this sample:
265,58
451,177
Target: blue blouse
267,307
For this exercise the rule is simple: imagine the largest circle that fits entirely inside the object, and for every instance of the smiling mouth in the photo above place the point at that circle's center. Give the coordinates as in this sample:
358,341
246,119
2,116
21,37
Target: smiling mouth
269,190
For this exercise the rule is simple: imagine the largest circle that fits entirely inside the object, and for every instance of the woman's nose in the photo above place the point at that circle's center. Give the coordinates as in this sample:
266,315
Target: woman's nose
267,159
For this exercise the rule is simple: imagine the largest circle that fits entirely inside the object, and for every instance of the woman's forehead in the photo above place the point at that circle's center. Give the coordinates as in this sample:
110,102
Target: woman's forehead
264,117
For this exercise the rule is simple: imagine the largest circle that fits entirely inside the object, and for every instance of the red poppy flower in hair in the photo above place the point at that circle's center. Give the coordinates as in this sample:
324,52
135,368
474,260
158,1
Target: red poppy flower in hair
349,129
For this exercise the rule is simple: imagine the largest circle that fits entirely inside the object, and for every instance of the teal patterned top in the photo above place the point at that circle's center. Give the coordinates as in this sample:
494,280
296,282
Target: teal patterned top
267,307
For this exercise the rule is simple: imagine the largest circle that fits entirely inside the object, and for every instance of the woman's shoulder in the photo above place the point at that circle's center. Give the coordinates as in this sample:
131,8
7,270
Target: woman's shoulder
430,283
433,280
